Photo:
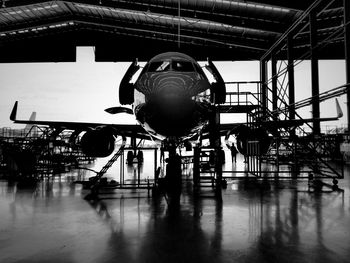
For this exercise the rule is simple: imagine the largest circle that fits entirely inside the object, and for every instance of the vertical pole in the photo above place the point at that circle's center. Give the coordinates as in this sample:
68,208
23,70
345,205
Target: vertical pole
263,78
218,149
133,143
138,174
259,161
291,77
247,158
122,169
274,83
347,52
314,74
196,157
155,161
291,83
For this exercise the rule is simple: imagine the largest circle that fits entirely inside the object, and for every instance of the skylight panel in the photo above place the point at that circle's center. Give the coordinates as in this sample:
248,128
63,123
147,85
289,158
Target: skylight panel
170,18
250,5
33,9
37,29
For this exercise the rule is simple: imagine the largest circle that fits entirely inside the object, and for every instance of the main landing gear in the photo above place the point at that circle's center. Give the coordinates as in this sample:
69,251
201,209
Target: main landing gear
171,184
134,158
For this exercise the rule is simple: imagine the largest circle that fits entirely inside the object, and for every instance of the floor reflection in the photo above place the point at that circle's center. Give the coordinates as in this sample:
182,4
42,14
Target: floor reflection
254,223
296,226
165,232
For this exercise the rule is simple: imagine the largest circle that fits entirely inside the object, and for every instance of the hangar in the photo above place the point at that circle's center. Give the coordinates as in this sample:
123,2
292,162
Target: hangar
222,30
279,34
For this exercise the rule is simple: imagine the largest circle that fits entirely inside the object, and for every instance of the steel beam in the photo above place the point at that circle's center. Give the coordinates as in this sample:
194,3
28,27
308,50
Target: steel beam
347,53
292,5
291,86
263,78
293,27
153,30
274,83
314,74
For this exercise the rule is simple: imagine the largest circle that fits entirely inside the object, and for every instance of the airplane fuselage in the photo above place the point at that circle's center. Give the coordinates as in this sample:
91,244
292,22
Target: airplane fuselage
172,96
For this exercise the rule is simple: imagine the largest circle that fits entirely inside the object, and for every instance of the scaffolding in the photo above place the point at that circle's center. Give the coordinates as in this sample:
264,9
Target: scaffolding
294,152
40,151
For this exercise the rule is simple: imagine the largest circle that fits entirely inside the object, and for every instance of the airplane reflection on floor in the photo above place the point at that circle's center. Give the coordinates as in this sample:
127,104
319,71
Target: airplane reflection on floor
171,232
283,223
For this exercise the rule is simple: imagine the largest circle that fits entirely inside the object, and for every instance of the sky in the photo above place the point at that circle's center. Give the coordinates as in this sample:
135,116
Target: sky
80,91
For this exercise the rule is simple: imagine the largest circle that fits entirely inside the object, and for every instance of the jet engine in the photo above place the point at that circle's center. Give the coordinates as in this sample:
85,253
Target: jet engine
98,142
252,141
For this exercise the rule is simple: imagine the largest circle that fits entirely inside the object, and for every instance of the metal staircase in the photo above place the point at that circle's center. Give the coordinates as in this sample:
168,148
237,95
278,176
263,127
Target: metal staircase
96,181
305,151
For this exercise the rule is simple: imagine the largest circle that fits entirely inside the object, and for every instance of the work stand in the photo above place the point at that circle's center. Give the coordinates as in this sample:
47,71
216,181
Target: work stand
294,152
207,161
98,185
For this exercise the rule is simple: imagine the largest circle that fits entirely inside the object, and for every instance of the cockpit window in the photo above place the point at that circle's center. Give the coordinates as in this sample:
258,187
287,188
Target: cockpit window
184,66
159,66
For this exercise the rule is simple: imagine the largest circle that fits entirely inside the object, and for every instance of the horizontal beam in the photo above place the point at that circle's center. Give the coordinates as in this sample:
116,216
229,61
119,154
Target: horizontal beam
275,24
293,5
233,40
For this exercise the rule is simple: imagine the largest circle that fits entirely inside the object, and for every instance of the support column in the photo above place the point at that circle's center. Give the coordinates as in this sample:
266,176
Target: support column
196,171
347,53
291,86
133,143
274,83
314,74
263,78
218,155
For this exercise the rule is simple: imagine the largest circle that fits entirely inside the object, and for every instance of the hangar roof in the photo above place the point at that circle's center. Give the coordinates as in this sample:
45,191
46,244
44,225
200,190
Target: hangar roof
121,30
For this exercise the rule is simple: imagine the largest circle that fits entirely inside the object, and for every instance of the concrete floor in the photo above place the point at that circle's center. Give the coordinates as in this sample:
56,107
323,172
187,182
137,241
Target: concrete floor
286,223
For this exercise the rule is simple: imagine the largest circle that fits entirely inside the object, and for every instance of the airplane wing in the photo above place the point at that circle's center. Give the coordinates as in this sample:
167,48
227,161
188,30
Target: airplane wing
298,122
273,125
125,129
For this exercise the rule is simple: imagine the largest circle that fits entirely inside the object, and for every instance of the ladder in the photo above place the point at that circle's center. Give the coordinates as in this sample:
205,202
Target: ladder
96,181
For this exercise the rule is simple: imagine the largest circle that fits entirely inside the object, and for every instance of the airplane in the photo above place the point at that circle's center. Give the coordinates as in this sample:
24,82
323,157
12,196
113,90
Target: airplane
172,100
28,131
6,159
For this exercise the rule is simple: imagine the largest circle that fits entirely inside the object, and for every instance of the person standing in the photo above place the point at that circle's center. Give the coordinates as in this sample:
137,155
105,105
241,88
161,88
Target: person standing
233,152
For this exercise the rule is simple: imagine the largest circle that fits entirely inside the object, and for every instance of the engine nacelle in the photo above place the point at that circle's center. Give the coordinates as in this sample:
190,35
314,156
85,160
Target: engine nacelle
252,141
98,142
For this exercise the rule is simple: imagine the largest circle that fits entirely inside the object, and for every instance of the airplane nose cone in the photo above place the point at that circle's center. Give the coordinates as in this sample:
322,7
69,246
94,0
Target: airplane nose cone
172,101
169,109
171,95
172,112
